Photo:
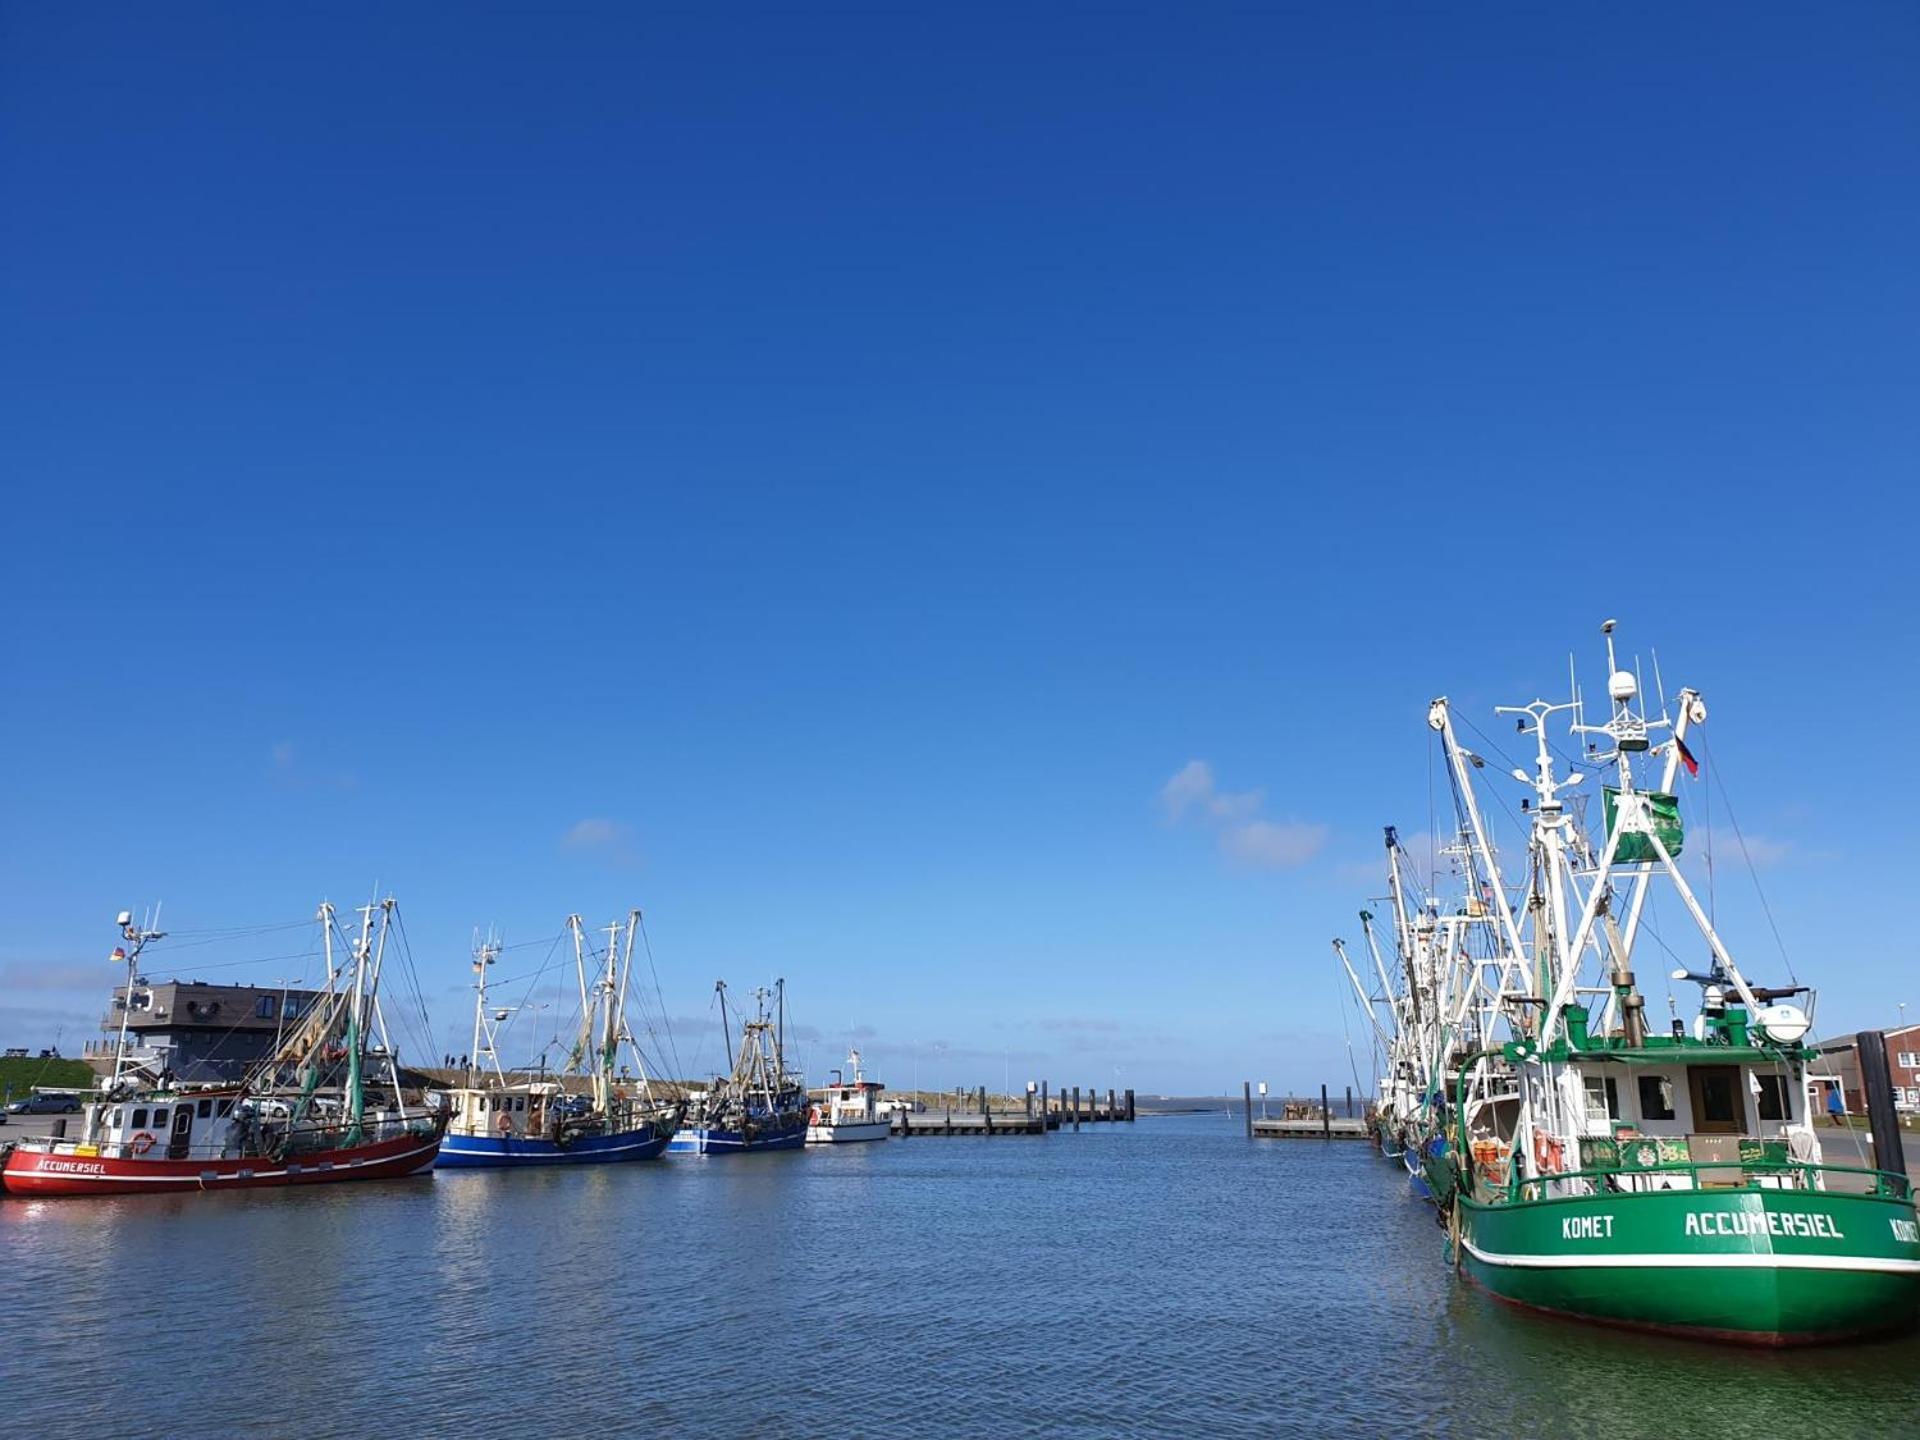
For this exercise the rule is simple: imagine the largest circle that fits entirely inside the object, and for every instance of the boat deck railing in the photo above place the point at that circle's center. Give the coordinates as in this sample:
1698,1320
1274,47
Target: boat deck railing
1706,1175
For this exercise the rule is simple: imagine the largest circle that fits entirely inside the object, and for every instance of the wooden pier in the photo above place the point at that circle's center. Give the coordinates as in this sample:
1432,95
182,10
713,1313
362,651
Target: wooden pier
1330,1127
1043,1111
1301,1119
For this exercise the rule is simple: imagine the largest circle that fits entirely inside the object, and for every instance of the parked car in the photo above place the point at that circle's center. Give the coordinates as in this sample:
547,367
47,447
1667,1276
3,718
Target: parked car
45,1105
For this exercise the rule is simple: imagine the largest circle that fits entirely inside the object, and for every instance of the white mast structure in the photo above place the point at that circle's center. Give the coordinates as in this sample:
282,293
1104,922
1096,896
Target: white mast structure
603,1006
486,1043
137,938
1568,928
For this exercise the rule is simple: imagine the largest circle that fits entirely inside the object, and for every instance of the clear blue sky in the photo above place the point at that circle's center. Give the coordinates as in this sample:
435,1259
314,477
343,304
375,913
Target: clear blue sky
818,475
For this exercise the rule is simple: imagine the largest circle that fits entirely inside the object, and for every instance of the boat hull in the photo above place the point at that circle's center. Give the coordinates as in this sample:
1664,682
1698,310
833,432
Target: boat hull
61,1173
848,1132
714,1140
472,1152
1763,1267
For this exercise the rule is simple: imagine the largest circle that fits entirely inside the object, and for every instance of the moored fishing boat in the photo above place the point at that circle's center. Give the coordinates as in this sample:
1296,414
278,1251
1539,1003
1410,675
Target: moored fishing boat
1602,1170
848,1111
502,1123
760,1106
307,1115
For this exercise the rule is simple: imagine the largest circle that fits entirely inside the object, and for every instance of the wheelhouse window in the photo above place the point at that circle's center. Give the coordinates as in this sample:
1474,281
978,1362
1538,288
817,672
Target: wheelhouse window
160,1116
1656,1097
205,1108
1603,1099
139,1121
226,1107
1773,1097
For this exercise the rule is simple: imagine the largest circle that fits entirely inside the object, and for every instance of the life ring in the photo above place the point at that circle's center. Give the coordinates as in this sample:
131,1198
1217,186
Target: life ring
1548,1154
141,1143
505,1123
813,1115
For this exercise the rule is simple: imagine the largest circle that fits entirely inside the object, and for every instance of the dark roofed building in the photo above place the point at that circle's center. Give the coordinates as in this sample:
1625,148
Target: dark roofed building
196,1031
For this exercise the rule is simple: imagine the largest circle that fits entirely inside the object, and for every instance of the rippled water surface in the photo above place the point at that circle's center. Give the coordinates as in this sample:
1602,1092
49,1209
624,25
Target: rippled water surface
1167,1278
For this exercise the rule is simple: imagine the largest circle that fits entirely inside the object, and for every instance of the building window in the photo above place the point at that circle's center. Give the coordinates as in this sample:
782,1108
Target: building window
1773,1097
267,1006
1656,1097
1910,1060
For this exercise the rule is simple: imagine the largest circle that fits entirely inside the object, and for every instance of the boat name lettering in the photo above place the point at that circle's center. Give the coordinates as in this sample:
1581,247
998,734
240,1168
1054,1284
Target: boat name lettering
1906,1230
74,1167
1771,1222
1586,1227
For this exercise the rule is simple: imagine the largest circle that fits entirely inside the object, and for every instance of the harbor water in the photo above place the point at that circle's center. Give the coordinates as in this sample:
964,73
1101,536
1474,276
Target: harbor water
1163,1278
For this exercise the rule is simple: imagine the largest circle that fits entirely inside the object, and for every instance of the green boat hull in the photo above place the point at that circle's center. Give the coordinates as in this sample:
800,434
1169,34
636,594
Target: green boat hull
1761,1266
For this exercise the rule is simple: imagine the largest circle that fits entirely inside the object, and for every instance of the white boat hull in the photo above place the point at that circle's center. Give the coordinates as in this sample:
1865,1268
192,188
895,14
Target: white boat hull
848,1131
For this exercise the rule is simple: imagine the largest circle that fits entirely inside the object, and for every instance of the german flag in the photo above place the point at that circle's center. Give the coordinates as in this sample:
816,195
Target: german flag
1686,756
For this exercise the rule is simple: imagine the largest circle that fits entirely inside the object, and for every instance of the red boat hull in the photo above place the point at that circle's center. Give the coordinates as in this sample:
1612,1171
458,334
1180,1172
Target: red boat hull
35,1172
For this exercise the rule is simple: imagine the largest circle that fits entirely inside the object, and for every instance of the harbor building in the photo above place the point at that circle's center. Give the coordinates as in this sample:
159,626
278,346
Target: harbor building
191,1030
1841,1059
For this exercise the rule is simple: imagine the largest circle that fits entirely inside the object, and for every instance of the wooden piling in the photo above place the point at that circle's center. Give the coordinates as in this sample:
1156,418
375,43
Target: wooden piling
1326,1116
1129,1107
1076,1107
1044,1102
1113,1110
1246,1100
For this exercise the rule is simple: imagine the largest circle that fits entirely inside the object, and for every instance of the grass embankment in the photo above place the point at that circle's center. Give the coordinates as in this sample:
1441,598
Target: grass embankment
21,1076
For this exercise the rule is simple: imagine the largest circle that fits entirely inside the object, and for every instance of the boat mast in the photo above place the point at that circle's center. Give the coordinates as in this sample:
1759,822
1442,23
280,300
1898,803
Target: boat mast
610,1025
484,952
136,937
356,1025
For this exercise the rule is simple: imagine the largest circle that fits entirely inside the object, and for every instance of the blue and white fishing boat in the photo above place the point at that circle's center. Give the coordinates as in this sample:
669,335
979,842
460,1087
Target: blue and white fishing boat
761,1106
611,1117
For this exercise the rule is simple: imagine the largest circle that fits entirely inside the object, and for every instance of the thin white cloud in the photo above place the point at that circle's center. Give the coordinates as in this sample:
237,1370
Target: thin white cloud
1273,844
1193,792
593,833
1193,789
610,839
1761,851
1191,785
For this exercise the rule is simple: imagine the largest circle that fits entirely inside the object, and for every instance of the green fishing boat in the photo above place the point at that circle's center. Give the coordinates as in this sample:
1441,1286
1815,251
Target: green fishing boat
1599,1168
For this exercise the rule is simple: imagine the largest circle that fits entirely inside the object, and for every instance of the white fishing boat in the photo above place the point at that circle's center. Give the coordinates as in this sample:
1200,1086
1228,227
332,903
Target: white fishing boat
848,1110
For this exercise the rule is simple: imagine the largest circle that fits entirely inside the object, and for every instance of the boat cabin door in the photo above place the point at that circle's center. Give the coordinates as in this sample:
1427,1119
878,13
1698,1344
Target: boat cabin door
1715,1092
182,1133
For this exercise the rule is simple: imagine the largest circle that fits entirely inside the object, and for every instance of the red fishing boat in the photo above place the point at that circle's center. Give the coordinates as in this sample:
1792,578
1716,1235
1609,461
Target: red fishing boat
306,1116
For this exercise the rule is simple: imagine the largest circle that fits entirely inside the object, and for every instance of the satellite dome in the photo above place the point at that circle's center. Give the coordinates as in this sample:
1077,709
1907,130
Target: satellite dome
1621,686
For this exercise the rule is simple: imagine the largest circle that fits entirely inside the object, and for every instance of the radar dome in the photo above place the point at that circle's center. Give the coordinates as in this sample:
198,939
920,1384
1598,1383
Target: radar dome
1621,686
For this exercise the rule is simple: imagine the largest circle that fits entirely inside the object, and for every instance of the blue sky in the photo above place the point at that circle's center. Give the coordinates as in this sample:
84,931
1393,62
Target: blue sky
818,476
